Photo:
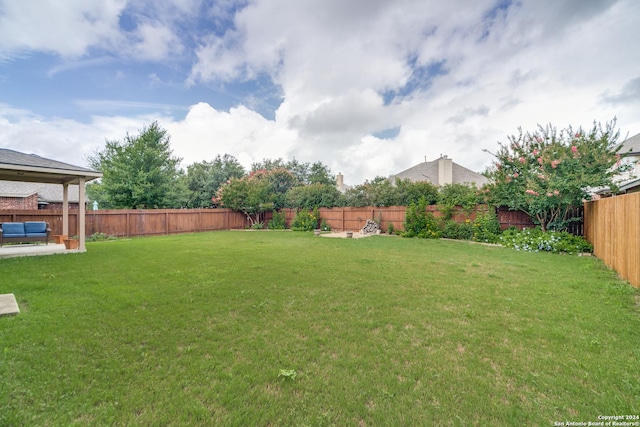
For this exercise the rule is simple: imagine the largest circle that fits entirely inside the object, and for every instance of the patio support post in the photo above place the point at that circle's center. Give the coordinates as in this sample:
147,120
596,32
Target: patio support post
81,215
65,209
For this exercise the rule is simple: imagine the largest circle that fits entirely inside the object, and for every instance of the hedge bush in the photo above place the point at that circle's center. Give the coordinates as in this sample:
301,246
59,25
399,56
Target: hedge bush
536,240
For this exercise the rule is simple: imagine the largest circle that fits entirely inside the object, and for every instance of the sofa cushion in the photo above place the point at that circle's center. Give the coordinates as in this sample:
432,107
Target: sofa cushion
35,228
13,229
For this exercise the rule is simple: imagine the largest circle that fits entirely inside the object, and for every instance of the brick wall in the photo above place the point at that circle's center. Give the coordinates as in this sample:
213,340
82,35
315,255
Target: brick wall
25,203
29,203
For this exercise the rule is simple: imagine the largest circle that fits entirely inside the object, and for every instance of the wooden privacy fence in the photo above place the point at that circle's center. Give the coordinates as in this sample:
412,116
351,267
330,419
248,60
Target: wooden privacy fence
347,218
612,226
516,219
134,222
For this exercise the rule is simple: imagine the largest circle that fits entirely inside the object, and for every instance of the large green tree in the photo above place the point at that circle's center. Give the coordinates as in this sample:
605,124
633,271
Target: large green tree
546,173
255,193
312,196
280,182
205,178
319,173
382,192
138,172
451,195
305,172
408,192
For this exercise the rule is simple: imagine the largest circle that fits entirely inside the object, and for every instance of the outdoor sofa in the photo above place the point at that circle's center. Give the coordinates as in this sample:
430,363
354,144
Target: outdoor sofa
28,231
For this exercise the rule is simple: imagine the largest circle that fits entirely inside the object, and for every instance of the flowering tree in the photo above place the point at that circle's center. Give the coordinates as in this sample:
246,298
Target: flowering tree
545,173
255,193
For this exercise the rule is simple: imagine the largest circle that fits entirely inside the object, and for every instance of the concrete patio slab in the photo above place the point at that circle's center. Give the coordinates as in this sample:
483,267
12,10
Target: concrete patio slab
9,251
8,305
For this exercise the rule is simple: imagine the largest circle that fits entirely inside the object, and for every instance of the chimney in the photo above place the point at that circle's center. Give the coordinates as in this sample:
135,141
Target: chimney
445,171
340,182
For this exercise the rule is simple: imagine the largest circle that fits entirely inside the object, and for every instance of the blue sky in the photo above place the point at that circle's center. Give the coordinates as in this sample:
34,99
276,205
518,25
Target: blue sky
369,87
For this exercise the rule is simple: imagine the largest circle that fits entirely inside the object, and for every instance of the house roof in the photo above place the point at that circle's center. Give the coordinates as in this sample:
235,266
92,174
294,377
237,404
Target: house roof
16,166
630,185
51,193
429,171
630,146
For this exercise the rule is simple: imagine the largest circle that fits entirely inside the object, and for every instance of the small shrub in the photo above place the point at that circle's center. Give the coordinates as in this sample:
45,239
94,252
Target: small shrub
535,240
391,228
257,225
98,237
324,226
454,230
447,211
419,223
465,230
277,221
415,218
486,227
433,229
305,221
450,230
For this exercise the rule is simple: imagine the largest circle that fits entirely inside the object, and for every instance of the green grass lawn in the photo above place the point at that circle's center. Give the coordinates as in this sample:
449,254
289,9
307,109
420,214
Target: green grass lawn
195,329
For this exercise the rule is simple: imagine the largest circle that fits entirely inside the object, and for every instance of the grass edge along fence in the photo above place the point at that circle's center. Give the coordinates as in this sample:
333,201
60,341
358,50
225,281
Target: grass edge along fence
612,226
153,222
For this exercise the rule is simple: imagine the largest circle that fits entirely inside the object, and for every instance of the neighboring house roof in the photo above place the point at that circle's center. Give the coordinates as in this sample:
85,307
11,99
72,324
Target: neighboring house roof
631,186
628,181
630,146
630,151
436,173
51,193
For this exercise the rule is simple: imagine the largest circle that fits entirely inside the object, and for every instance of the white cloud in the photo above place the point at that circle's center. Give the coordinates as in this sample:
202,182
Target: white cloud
205,132
215,61
46,25
357,112
73,65
155,42
65,140
72,29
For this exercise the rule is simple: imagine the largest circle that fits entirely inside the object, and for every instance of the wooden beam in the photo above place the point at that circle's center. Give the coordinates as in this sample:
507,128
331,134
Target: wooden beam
65,209
81,215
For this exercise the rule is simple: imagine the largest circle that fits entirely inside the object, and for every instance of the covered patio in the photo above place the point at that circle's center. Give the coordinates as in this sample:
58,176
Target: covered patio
16,166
